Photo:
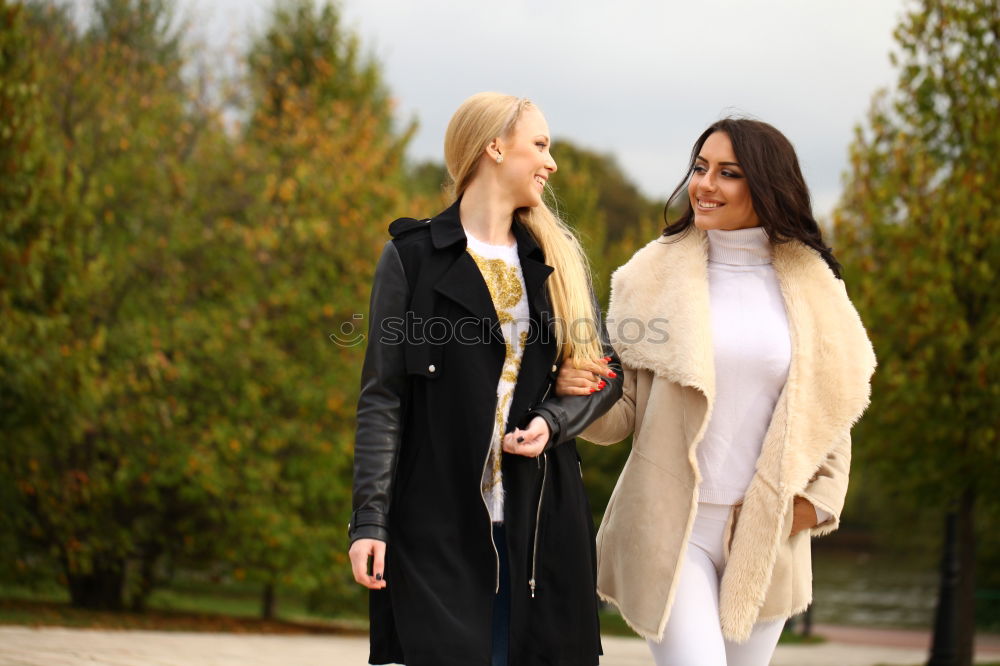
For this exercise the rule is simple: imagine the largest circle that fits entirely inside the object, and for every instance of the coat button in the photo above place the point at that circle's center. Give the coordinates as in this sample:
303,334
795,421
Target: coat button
554,368
431,368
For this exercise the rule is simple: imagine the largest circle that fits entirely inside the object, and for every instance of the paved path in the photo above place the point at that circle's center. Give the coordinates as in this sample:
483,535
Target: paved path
987,645
55,646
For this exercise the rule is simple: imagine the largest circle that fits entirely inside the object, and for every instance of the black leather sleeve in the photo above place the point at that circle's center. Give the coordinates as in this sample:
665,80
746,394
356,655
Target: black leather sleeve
568,416
381,403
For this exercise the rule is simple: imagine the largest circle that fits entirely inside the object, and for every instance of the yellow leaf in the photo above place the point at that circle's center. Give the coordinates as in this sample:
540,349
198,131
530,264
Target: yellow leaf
286,191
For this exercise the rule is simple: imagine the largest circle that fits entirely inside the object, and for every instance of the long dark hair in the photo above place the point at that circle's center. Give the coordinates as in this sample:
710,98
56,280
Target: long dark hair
779,193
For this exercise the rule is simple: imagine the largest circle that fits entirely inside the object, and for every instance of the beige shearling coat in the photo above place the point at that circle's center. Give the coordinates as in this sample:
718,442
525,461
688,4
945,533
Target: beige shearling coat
669,390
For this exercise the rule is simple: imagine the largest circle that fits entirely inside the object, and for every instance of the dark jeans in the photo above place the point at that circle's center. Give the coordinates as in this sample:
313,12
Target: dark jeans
501,603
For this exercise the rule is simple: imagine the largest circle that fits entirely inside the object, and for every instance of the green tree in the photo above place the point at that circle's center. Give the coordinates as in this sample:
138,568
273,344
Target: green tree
320,175
24,243
94,436
919,229
170,394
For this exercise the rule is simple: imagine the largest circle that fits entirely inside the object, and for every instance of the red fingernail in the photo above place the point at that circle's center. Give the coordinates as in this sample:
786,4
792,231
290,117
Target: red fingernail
592,390
612,374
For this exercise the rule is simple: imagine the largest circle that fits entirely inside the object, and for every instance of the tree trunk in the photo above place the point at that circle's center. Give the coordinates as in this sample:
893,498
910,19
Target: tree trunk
966,611
147,581
103,588
268,602
954,617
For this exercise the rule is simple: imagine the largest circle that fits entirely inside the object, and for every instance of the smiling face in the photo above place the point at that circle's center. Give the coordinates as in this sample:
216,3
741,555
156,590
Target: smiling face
527,162
719,193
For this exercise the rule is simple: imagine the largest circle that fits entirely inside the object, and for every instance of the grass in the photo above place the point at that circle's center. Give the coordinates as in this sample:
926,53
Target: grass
189,606
789,638
48,613
613,624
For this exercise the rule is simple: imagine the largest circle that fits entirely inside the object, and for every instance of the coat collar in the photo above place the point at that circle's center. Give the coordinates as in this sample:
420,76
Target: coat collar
446,227
463,281
446,230
832,358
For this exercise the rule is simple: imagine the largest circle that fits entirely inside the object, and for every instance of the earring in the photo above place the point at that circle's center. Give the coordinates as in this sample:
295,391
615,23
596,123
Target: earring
499,159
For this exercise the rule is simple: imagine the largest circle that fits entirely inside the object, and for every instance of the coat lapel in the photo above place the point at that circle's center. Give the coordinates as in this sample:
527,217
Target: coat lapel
462,282
832,359
827,390
828,386
664,287
539,353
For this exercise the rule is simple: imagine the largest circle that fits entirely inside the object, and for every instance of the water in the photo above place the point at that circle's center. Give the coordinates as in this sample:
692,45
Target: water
870,589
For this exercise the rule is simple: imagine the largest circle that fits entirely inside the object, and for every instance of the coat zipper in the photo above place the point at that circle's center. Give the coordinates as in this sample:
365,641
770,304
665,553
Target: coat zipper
537,403
489,450
538,510
544,395
538,520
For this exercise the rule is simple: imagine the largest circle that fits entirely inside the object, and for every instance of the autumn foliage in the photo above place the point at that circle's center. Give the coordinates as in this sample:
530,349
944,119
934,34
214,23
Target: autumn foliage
919,232
170,396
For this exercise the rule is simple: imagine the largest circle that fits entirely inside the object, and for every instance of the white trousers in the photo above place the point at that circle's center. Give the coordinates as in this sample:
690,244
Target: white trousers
693,636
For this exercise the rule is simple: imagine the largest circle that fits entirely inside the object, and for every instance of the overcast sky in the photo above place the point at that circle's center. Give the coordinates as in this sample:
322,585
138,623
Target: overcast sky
637,78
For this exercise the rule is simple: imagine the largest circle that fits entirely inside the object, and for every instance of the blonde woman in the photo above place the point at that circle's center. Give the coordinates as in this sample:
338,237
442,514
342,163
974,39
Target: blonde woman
742,416
469,507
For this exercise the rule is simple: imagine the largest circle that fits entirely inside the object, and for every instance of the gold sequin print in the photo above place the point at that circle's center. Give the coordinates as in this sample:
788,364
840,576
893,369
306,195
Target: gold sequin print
495,457
501,280
512,360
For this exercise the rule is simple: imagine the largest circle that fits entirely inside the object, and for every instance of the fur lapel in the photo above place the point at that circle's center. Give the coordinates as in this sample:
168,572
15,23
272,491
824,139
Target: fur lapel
666,280
832,359
829,383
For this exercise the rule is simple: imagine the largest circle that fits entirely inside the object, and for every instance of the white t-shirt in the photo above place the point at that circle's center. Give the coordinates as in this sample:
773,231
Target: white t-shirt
501,269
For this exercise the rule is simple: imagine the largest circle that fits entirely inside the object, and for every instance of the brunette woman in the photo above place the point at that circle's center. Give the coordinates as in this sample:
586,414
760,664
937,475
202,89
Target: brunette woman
468,500
742,417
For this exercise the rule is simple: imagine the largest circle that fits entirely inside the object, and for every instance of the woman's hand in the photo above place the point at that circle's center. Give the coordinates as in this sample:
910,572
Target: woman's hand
529,442
803,515
360,551
585,379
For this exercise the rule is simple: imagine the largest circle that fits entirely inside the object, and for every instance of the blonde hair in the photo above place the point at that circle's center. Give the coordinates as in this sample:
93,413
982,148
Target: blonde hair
477,122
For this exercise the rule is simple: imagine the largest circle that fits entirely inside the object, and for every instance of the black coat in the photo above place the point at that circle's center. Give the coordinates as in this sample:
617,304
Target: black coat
425,417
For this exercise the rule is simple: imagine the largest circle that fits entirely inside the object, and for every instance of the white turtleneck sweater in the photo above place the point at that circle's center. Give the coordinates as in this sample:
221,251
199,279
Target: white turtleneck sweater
753,351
